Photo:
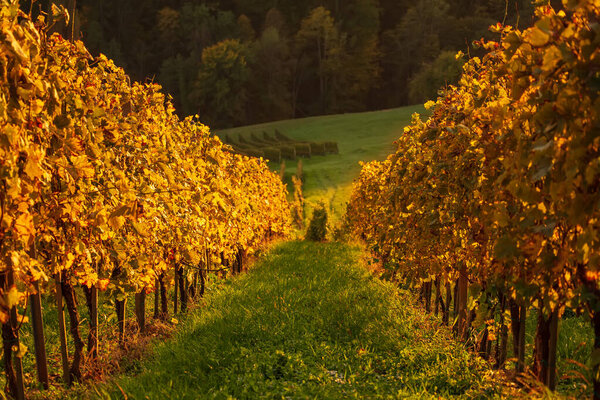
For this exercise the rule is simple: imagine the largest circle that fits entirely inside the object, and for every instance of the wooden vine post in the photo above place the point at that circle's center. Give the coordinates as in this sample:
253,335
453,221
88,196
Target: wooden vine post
193,287
37,323
91,297
551,374
14,324
427,293
62,330
502,342
156,298
120,310
93,335
596,324
455,305
240,260
175,287
68,292
544,354
202,283
140,309
183,290
463,293
438,296
235,264
446,315
521,341
164,307
13,365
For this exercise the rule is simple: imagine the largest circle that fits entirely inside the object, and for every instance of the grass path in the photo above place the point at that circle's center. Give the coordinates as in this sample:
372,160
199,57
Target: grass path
308,321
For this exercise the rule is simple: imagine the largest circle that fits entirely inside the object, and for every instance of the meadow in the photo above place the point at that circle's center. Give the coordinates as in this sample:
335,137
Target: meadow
360,137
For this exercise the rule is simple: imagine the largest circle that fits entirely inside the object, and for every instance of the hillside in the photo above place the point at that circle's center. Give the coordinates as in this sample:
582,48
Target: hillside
360,137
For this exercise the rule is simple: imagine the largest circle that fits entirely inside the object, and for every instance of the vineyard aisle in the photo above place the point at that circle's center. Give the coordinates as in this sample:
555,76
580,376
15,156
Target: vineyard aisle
308,321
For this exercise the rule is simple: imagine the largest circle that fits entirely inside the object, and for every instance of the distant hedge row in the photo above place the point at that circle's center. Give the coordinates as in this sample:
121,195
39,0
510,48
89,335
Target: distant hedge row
277,146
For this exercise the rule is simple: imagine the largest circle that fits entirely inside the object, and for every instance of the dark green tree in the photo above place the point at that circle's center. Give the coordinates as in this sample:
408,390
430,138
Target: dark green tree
444,70
413,42
270,84
321,56
220,89
247,32
320,43
360,72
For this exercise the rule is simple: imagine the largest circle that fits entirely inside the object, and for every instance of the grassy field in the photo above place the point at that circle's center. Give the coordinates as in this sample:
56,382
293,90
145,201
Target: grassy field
361,137
309,321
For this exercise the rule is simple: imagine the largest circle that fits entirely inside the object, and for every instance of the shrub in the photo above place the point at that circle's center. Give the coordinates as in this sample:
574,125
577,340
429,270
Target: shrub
297,206
241,147
272,154
259,141
331,148
444,70
317,227
269,138
243,140
281,137
288,152
302,149
317,149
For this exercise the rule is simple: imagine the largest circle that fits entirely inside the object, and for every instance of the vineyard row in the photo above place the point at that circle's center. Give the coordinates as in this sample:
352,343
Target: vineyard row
104,188
497,192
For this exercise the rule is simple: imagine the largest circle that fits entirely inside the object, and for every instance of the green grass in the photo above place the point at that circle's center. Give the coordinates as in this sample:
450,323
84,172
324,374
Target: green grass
361,137
574,349
309,321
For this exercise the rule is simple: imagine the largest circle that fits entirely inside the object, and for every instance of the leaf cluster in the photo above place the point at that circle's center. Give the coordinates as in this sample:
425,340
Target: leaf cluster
503,178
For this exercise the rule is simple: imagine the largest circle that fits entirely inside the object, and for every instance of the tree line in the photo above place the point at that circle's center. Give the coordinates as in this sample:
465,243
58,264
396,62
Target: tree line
237,62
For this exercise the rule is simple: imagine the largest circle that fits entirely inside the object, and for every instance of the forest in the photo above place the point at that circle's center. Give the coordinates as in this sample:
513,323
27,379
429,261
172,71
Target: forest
239,62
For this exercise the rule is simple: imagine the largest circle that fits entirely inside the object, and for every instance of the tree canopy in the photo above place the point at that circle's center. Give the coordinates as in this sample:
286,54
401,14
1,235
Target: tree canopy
311,57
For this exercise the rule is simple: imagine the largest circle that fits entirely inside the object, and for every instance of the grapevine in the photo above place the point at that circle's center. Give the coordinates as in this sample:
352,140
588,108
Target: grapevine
497,189
103,186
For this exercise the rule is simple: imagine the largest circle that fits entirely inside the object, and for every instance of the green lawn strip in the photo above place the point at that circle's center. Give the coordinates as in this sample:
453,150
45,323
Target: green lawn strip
308,321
